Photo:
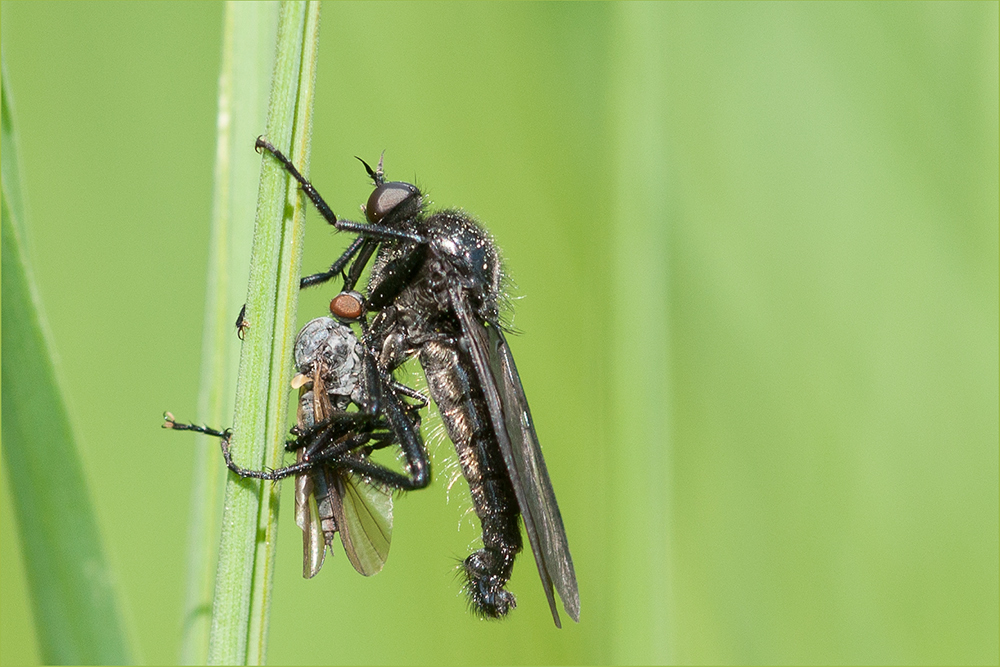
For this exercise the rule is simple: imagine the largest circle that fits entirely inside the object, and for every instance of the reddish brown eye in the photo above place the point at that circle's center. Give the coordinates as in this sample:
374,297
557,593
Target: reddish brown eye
386,197
347,306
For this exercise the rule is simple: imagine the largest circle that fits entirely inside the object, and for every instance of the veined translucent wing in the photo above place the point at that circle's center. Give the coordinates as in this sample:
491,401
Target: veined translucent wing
329,500
364,515
515,431
307,518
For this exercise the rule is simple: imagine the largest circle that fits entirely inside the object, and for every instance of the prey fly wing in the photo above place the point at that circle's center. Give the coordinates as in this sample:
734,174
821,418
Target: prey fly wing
364,515
307,517
333,500
330,499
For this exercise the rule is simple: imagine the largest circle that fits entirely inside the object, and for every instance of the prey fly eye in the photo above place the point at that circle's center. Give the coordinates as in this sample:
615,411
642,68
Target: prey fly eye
387,197
347,306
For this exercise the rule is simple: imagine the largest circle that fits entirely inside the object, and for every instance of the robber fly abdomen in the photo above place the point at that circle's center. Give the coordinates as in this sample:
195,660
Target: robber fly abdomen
467,420
414,290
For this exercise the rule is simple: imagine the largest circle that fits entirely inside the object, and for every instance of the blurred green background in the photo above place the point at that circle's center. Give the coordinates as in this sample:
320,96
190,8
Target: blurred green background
757,246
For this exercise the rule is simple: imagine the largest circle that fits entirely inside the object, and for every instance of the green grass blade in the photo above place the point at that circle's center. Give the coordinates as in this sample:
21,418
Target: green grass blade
10,166
246,555
73,591
247,60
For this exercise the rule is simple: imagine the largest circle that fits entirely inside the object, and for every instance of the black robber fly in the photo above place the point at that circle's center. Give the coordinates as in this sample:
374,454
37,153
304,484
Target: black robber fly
337,487
434,290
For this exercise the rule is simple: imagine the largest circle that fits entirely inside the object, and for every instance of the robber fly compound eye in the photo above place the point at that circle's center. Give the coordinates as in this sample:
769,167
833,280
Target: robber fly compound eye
387,197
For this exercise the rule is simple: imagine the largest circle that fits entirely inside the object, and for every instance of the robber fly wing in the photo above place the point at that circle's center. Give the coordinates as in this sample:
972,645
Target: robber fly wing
365,520
515,432
530,463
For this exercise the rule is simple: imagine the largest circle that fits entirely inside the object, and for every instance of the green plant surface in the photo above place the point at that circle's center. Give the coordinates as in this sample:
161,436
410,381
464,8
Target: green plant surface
247,62
754,250
72,588
245,577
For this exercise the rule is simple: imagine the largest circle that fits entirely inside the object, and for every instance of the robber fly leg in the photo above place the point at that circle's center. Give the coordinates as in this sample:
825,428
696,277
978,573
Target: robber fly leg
366,232
320,453
272,475
168,422
338,266
419,397
307,187
369,236
224,437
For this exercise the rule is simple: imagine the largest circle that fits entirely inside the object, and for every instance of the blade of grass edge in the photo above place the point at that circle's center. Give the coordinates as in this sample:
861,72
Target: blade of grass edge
249,30
246,554
285,324
74,596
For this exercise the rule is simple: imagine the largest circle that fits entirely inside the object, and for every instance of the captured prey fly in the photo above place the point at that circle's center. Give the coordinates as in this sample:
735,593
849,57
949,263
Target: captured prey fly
434,290
337,487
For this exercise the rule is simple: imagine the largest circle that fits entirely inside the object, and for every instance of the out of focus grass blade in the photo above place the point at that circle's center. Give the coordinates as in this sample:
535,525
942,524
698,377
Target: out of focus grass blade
10,166
249,536
642,587
247,60
73,592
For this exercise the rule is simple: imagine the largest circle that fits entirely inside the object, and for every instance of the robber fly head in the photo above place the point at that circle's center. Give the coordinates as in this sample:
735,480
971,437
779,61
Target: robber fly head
394,198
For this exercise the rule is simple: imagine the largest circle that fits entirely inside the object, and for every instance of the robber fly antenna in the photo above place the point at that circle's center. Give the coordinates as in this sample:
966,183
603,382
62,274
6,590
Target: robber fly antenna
377,175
